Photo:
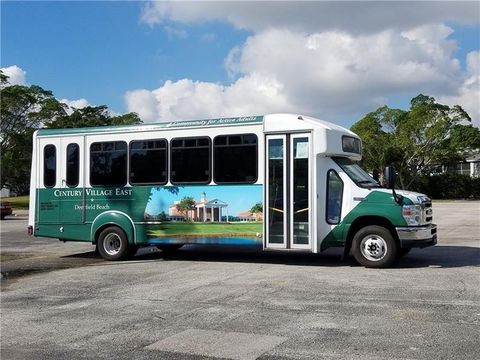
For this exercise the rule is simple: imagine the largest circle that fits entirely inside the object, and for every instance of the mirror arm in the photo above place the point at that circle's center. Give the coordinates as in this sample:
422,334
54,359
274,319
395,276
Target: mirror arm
396,197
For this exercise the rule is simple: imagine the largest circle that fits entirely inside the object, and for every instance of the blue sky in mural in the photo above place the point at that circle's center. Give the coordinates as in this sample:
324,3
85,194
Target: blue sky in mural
189,60
239,198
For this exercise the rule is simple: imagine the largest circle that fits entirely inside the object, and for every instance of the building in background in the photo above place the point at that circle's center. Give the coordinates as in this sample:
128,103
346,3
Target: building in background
205,211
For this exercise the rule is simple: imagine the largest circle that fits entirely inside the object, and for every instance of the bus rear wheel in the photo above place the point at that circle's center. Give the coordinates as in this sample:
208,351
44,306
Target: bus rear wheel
374,247
112,243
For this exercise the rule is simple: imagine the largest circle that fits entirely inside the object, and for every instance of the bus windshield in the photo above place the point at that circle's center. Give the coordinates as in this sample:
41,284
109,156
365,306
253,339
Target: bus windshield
356,173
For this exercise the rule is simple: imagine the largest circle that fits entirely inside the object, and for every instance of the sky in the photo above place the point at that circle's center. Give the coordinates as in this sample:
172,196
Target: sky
189,60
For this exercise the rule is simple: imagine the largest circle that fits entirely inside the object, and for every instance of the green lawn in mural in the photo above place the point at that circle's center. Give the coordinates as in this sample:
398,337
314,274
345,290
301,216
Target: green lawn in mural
192,229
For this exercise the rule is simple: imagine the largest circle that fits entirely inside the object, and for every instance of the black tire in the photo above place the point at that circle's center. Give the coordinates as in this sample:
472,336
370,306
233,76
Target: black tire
113,244
3,217
374,247
169,248
402,252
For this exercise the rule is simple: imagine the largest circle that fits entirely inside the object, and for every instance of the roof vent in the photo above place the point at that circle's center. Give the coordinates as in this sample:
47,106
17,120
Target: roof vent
300,117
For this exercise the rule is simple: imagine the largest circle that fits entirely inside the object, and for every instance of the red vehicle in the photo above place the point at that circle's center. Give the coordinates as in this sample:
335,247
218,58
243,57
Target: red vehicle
6,209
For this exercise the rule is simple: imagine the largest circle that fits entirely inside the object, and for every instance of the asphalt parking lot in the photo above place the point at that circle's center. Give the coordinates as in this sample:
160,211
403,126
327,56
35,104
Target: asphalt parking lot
61,301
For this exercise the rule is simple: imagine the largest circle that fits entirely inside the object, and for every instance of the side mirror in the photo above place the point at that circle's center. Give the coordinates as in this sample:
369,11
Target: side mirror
390,177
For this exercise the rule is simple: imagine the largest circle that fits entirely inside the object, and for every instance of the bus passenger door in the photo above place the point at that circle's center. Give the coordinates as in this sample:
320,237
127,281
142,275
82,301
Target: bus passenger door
288,215
72,170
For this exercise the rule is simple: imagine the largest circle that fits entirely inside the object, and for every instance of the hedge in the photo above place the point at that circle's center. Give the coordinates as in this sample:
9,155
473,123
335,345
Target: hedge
448,186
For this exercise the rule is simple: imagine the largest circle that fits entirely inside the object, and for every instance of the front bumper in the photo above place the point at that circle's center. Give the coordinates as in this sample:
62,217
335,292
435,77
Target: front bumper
421,236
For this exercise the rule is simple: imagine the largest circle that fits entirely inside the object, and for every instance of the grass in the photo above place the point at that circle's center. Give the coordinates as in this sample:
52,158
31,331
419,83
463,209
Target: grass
206,229
18,202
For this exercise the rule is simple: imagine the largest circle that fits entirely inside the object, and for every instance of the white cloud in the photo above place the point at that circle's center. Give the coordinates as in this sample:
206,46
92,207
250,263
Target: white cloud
329,74
468,94
16,76
187,99
328,59
144,103
77,104
82,103
74,104
313,16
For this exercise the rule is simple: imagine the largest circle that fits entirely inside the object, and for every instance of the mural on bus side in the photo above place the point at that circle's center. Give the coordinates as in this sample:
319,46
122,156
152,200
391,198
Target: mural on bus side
230,214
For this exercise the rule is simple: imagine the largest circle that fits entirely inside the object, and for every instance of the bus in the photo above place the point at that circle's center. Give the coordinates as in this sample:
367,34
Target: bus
284,182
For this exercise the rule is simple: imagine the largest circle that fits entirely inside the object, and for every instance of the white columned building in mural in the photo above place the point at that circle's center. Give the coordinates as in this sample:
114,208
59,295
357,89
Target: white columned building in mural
210,210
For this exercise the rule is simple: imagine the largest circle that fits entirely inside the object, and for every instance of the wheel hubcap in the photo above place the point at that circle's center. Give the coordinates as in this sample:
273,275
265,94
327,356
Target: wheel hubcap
373,247
112,244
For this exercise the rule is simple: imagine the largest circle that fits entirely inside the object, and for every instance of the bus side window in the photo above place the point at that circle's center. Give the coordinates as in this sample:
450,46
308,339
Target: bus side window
334,197
235,159
49,166
148,161
73,165
190,160
108,163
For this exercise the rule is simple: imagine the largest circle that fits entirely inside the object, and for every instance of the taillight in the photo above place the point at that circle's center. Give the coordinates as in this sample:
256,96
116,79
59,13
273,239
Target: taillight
30,230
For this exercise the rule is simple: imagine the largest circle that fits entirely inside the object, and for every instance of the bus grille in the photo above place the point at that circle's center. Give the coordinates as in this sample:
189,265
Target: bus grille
427,211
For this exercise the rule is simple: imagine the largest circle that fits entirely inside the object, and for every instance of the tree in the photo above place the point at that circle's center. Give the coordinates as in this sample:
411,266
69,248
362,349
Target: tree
376,130
257,208
185,205
23,110
162,216
90,116
466,137
3,78
415,141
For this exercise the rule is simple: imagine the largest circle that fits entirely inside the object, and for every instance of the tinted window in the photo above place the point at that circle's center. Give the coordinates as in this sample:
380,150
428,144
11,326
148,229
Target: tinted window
73,164
148,162
356,173
108,163
334,197
190,159
351,144
235,158
49,166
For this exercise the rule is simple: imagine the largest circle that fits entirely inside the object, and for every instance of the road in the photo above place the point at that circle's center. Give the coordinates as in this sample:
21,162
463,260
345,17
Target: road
60,301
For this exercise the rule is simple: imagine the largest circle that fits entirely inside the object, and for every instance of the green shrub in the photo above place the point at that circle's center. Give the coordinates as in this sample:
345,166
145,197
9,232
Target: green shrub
448,186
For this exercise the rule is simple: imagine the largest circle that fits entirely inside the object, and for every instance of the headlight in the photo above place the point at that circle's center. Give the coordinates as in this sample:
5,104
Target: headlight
412,214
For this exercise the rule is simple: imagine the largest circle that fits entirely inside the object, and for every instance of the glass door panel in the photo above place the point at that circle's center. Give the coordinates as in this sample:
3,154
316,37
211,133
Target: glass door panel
287,214
300,194
276,189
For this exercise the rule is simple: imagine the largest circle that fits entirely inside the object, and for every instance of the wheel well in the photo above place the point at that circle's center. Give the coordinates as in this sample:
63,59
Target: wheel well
366,221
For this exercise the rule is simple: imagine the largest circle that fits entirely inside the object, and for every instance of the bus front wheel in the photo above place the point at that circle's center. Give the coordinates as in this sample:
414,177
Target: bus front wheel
374,247
112,243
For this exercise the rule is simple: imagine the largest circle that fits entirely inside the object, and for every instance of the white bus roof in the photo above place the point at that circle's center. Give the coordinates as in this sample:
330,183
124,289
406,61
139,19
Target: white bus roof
271,123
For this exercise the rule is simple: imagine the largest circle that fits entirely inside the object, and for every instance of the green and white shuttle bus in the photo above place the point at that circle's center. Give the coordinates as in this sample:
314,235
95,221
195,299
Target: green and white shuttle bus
282,181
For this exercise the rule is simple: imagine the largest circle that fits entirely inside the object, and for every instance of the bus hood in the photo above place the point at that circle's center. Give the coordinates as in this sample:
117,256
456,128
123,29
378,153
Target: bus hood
414,197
